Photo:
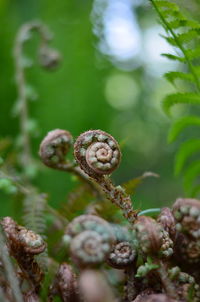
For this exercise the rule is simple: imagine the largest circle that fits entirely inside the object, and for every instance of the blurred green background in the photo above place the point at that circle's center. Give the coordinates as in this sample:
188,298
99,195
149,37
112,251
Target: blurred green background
110,78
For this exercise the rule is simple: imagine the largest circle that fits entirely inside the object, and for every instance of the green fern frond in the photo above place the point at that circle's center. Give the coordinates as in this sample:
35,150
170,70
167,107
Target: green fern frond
173,57
180,124
193,54
183,38
192,172
187,149
184,35
172,76
78,200
34,211
180,98
165,10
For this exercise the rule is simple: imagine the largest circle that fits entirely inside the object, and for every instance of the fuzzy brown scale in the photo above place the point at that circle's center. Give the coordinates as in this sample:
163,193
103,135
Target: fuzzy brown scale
64,285
152,237
118,196
149,234
167,220
154,298
54,148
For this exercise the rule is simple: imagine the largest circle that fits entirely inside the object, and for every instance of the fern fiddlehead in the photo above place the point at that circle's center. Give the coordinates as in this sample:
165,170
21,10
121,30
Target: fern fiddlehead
98,155
183,34
91,239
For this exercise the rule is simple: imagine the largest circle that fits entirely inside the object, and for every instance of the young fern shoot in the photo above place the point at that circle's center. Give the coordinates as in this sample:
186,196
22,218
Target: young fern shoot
48,59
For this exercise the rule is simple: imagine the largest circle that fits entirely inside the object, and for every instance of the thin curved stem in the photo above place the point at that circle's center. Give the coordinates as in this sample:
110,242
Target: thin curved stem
21,38
149,211
166,282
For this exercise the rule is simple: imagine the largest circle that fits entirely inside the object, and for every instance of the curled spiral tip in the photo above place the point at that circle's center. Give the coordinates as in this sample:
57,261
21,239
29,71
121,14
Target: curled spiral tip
92,239
65,284
187,214
167,220
122,255
21,238
148,234
49,58
32,242
54,148
97,152
89,248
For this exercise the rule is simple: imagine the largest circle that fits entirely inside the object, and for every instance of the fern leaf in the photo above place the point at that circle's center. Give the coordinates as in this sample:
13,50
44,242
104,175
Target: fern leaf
78,200
187,149
172,20
180,124
193,53
182,38
166,5
177,23
192,172
180,98
174,75
34,210
173,57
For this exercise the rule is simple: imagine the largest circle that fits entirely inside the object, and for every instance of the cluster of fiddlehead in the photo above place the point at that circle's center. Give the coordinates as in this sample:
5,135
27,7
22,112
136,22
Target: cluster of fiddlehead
97,153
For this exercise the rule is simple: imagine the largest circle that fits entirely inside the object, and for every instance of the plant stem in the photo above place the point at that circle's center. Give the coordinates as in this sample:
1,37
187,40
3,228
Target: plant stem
118,196
166,282
12,278
21,38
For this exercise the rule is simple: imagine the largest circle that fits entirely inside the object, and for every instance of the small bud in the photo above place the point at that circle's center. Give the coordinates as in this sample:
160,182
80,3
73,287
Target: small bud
49,58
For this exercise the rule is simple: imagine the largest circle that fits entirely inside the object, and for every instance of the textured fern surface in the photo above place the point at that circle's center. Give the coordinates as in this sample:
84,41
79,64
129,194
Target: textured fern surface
184,35
34,217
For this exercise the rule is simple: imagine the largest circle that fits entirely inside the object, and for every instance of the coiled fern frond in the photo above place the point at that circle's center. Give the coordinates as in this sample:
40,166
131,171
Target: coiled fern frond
184,35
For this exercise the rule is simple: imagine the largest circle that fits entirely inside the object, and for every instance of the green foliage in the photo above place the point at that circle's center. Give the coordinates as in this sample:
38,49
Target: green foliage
180,124
183,34
143,270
